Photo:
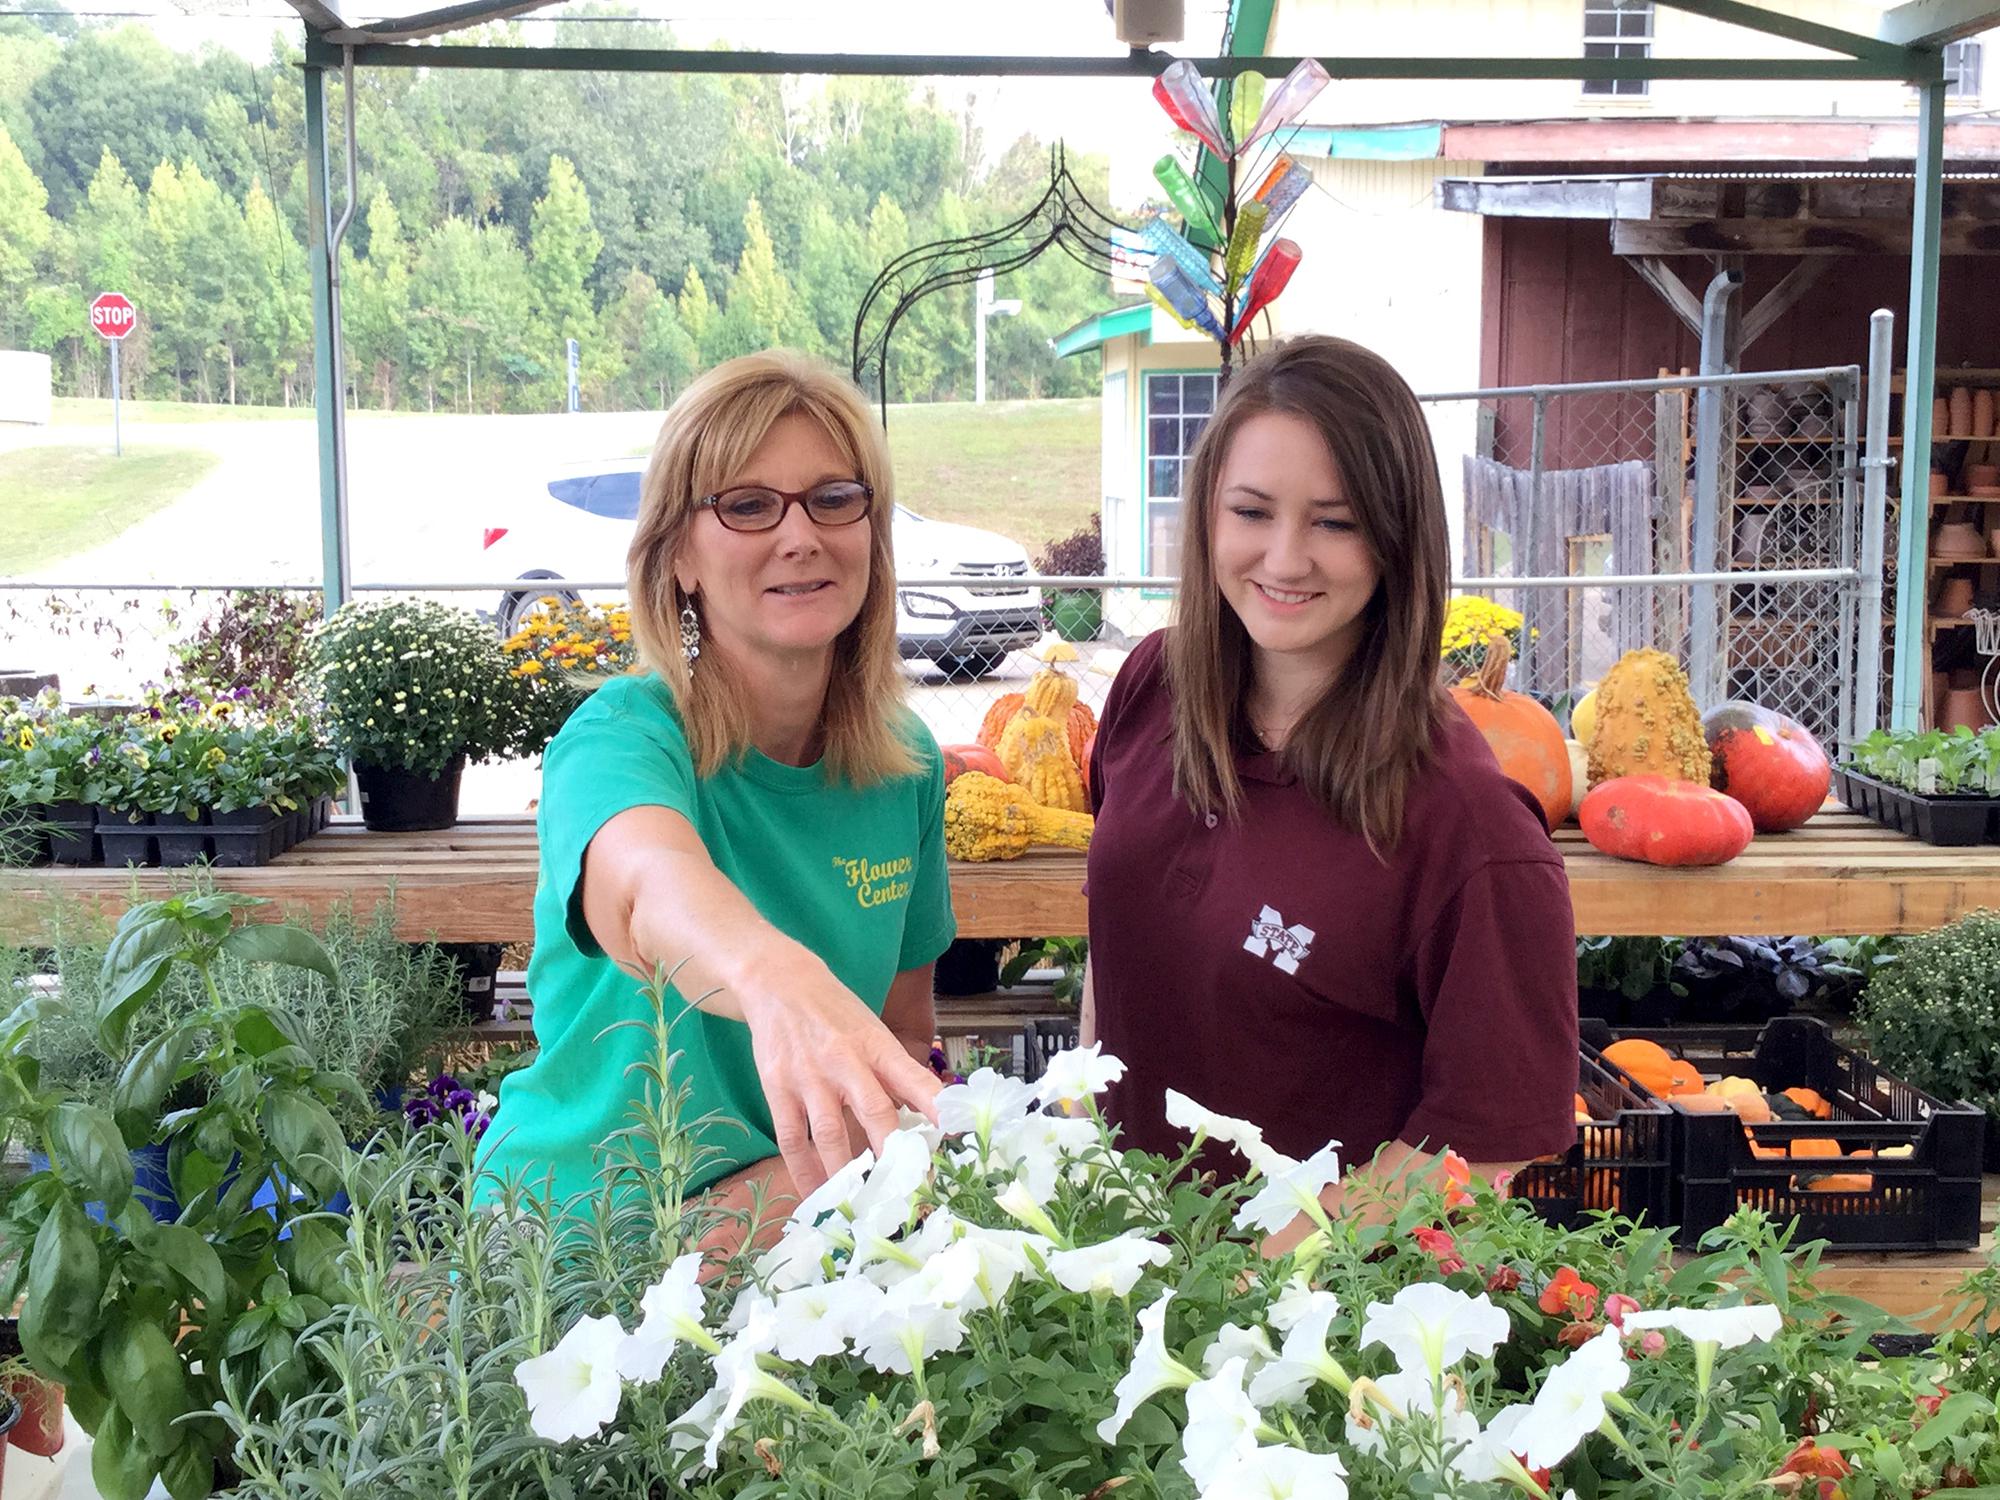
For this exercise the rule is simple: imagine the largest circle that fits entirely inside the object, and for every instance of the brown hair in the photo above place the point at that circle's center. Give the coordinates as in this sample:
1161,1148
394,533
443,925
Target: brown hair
709,434
1358,747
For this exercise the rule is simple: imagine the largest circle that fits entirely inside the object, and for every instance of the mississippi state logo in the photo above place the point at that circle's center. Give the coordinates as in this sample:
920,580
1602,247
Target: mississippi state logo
1287,947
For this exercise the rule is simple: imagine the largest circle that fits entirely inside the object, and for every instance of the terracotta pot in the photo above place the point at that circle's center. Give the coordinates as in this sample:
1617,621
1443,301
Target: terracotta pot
1955,598
40,1430
1982,474
1958,539
1940,685
1940,483
1961,678
1962,710
1940,417
1982,413
1960,402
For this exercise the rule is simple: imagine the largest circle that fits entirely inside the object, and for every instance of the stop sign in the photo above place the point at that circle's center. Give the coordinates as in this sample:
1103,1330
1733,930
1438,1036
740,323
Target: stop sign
113,315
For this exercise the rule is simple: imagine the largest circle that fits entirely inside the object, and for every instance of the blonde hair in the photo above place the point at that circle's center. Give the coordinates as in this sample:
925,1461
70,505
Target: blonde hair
709,434
1357,749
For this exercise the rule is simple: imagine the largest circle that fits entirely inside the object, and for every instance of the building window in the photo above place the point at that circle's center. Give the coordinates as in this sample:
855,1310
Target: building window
1617,28
1961,70
1177,408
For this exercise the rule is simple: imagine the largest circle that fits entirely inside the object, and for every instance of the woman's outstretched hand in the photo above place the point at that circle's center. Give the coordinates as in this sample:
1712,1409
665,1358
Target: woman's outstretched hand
823,1055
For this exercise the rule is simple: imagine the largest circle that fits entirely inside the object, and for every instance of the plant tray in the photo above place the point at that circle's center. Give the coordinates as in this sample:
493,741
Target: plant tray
1620,1161
1948,822
1929,1200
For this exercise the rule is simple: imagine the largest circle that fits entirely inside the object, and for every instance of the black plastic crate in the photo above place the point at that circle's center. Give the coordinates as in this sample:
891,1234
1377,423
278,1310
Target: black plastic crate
1041,1040
1948,822
1621,1159
1929,1200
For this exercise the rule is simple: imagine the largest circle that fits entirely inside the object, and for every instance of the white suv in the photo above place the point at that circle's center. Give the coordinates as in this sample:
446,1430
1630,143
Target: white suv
579,524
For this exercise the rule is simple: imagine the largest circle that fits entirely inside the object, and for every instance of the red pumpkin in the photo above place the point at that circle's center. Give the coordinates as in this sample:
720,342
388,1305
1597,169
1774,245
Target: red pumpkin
1663,820
1769,763
1089,745
1525,737
961,758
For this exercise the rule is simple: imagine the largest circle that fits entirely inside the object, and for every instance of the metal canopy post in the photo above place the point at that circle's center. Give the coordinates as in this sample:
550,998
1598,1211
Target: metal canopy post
1912,584
328,402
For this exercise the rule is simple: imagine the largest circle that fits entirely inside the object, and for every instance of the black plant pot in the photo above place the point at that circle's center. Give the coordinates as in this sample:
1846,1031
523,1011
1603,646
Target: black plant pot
970,966
247,836
1992,1163
1659,1006
478,966
73,833
181,840
397,801
126,837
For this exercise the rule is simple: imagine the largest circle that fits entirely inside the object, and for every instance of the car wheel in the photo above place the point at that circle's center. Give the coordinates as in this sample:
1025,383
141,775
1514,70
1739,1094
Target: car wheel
973,667
516,607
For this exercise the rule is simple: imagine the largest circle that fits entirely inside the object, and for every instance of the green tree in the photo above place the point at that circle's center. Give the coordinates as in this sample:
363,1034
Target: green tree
25,234
279,304
562,252
375,304
646,345
470,295
121,90
697,312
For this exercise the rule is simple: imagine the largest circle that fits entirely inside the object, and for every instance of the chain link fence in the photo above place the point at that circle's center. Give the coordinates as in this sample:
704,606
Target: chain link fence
1591,509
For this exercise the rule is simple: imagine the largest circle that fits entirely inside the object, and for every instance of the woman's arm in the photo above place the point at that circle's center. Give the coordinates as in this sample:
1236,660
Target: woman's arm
1086,1021
652,897
910,1012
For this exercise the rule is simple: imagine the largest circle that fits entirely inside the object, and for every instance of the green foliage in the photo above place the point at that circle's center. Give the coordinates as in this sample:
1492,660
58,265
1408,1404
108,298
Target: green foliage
1933,1016
145,1322
1067,954
1932,763
1633,966
413,685
251,645
508,212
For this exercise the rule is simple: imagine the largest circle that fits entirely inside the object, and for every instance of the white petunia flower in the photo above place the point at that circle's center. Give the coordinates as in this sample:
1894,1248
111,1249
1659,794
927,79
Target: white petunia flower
903,1335
1018,1203
983,1102
1184,1114
1153,1370
1293,1188
671,1312
799,1259
910,1119
1496,1455
691,1428
1724,1327
836,1192
1234,1341
1429,1328
1304,1358
1110,1269
1413,1395
904,1166
1280,1473
1078,1073
1294,1302
1570,1404
816,1322
1222,1426
574,1389
1037,1147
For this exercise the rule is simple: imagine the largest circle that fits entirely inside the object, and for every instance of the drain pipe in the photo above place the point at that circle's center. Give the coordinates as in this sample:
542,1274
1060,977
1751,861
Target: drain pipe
1705,616
334,238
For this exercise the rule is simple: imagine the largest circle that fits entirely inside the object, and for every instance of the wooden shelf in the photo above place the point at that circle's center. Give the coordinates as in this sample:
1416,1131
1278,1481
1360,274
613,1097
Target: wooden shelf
1965,500
1963,437
1939,564
1949,622
1759,442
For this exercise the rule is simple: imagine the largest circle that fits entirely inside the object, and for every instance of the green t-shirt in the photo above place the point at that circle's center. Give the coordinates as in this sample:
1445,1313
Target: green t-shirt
857,875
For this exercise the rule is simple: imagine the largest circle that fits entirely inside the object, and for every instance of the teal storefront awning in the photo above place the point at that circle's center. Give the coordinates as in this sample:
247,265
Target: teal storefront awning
1368,142
1095,332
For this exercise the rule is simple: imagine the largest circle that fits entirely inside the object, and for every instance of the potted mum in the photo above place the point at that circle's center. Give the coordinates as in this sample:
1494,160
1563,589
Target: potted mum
413,690
1075,614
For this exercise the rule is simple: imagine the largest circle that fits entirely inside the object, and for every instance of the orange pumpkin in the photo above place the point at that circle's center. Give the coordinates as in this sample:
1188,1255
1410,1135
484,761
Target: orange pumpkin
1663,820
1650,1064
1080,724
1768,762
1813,1145
1524,737
959,759
1083,760
1812,1102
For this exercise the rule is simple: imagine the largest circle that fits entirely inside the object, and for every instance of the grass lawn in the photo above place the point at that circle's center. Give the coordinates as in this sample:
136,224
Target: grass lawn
1026,469
67,500
75,411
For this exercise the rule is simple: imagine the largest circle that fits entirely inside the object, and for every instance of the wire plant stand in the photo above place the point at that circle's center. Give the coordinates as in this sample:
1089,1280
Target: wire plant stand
1986,641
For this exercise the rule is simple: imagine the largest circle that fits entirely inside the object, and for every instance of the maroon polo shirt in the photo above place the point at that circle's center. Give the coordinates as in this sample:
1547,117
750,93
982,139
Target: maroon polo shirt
1274,969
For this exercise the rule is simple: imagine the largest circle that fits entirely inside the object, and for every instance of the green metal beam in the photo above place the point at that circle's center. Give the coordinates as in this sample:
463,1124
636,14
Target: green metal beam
1919,386
1790,28
1932,23
1905,66
326,378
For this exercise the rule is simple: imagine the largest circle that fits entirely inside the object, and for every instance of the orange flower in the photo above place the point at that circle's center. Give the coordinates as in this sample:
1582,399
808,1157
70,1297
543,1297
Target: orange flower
1815,1462
1568,1295
1457,1176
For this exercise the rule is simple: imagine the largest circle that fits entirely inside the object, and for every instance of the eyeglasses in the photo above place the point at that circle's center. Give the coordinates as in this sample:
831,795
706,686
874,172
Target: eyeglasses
840,502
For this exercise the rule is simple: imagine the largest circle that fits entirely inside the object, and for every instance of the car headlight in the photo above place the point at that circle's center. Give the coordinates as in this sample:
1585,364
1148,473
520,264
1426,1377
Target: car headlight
926,606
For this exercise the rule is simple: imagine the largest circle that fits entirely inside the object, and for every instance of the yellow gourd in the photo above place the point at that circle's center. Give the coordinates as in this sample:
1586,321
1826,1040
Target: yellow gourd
1647,723
1050,695
1583,718
1035,752
985,818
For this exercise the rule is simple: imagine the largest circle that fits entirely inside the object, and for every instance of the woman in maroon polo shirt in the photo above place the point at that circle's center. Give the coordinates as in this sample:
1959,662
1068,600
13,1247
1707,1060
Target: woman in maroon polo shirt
1315,901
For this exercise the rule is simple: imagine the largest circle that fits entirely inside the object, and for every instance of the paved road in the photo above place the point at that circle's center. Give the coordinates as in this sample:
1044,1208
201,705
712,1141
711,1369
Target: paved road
422,489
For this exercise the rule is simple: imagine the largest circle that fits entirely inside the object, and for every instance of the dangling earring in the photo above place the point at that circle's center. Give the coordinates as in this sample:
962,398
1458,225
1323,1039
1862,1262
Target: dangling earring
690,635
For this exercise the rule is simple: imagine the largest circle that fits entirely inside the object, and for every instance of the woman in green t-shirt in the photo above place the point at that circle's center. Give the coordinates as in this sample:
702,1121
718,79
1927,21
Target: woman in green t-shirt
758,808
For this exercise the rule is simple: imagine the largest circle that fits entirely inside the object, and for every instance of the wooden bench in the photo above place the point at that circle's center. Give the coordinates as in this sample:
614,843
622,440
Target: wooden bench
476,883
